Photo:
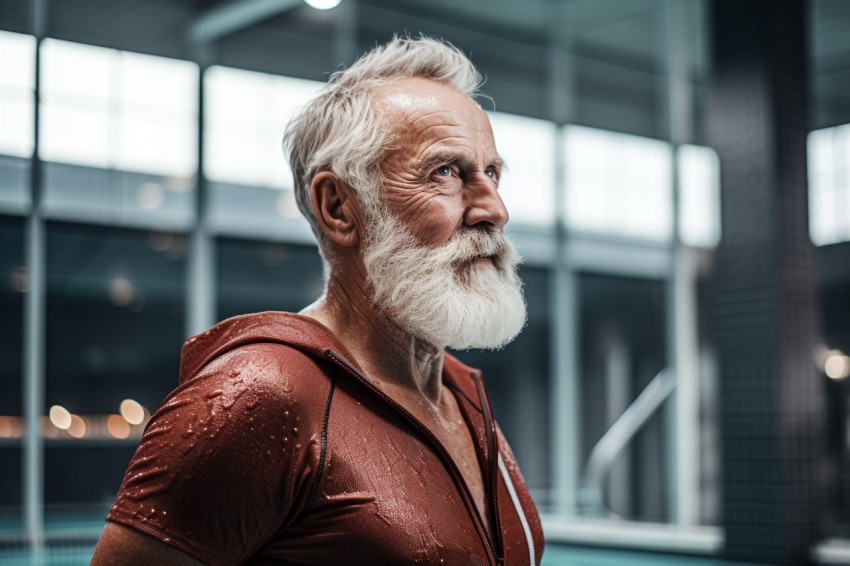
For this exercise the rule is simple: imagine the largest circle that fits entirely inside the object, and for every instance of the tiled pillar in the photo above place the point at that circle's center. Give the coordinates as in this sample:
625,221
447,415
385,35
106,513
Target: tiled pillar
771,394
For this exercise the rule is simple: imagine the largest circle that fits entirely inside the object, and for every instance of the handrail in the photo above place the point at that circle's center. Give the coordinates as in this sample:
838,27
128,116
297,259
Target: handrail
615,439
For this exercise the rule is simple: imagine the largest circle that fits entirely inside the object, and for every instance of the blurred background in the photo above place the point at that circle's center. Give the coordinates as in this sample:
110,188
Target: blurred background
678,183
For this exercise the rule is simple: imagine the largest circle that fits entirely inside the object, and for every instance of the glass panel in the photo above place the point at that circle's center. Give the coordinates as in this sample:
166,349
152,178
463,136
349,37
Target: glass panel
118,135
249,177
11,488
518,383
244,122
115,324
622,348
260,276
618,184
699,196
527,185
829,185
17,72
13,286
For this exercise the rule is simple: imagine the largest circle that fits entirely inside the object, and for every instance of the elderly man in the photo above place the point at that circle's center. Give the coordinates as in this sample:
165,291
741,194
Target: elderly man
345,434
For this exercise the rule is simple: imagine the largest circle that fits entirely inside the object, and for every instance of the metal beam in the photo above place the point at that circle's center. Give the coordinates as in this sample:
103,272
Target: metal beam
230,18
566,414
34,320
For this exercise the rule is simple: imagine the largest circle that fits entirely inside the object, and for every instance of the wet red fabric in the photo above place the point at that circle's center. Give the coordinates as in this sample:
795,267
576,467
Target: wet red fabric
275,449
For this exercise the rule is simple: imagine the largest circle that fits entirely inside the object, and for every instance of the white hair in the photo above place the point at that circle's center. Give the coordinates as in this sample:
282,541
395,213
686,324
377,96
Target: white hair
342,131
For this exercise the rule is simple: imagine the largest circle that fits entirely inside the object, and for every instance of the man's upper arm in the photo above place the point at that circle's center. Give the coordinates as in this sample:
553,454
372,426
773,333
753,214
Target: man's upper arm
123,546
215,474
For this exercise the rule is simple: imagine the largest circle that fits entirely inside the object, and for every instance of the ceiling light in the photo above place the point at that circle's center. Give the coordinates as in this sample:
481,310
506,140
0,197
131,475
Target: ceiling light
323,4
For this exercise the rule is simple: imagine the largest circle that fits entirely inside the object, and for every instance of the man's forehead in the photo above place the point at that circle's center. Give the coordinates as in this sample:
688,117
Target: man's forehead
417,95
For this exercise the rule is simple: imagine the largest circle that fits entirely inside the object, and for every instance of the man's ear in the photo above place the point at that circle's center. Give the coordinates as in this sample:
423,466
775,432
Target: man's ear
336,209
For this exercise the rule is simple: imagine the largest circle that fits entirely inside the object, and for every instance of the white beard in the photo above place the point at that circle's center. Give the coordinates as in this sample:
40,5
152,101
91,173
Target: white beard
437,294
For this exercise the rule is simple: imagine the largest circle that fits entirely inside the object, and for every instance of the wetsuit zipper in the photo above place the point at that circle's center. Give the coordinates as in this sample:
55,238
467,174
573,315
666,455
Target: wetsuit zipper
493,464
497,554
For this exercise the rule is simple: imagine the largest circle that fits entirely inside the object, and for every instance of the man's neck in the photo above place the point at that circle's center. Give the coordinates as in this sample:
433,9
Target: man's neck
391,357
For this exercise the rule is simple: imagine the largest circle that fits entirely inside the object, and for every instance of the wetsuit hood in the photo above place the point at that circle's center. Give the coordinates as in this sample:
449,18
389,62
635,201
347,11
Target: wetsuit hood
298,331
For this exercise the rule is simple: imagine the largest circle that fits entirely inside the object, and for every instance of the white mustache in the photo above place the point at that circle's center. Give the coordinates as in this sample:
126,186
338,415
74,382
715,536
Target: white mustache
473,243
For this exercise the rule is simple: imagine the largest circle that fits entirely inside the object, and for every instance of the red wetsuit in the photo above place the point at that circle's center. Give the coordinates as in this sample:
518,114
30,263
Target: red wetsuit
276,449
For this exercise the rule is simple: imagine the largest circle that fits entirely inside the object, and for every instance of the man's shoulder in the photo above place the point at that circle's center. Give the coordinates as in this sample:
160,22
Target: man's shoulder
275,356
267,342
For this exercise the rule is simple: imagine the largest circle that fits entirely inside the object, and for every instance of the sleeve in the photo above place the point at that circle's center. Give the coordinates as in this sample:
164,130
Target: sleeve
222,465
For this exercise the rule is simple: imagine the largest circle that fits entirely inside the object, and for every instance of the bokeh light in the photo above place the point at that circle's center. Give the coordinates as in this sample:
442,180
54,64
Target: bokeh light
117,426
132,411
60,417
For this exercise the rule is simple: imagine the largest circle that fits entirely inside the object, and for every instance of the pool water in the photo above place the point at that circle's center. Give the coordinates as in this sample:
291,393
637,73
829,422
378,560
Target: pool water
554,555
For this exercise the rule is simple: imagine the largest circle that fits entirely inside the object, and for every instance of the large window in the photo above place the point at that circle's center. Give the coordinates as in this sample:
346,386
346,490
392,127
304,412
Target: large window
829,185
118,133
622,348
617,184
115,323
17,79
260,276
699,196
13,285
249,175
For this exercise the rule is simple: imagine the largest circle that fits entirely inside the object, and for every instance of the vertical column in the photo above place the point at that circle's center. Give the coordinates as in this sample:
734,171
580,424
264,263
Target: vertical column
345,33
682,350
771,397
566,415
618,394
34,320
201,276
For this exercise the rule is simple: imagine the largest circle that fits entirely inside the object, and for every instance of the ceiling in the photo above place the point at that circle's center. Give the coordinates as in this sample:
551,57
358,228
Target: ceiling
615,53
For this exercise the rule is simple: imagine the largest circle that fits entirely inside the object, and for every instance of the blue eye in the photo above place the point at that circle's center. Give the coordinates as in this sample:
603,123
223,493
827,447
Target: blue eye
490,173
444,171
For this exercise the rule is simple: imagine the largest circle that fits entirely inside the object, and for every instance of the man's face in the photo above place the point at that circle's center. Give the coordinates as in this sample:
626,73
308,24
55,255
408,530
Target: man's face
443,170
435,256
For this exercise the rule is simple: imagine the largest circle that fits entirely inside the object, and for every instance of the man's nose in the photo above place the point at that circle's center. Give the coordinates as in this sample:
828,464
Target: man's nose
483,204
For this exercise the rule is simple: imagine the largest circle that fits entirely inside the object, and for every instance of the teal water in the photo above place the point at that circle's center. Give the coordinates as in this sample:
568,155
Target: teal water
554,555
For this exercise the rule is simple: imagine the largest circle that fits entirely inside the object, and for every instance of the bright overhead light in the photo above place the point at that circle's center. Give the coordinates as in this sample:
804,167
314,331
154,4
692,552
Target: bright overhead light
322,4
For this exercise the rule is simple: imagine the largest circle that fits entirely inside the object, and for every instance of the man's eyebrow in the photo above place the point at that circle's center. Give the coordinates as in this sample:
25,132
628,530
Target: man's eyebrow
448,157
499,163
440,158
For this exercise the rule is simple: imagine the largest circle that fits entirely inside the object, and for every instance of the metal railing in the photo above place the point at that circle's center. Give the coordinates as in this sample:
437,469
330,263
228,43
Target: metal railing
591,499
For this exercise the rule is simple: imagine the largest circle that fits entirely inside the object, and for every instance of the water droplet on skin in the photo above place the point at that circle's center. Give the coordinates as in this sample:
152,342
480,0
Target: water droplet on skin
295,431
298,447
285,439
286,414
214,394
